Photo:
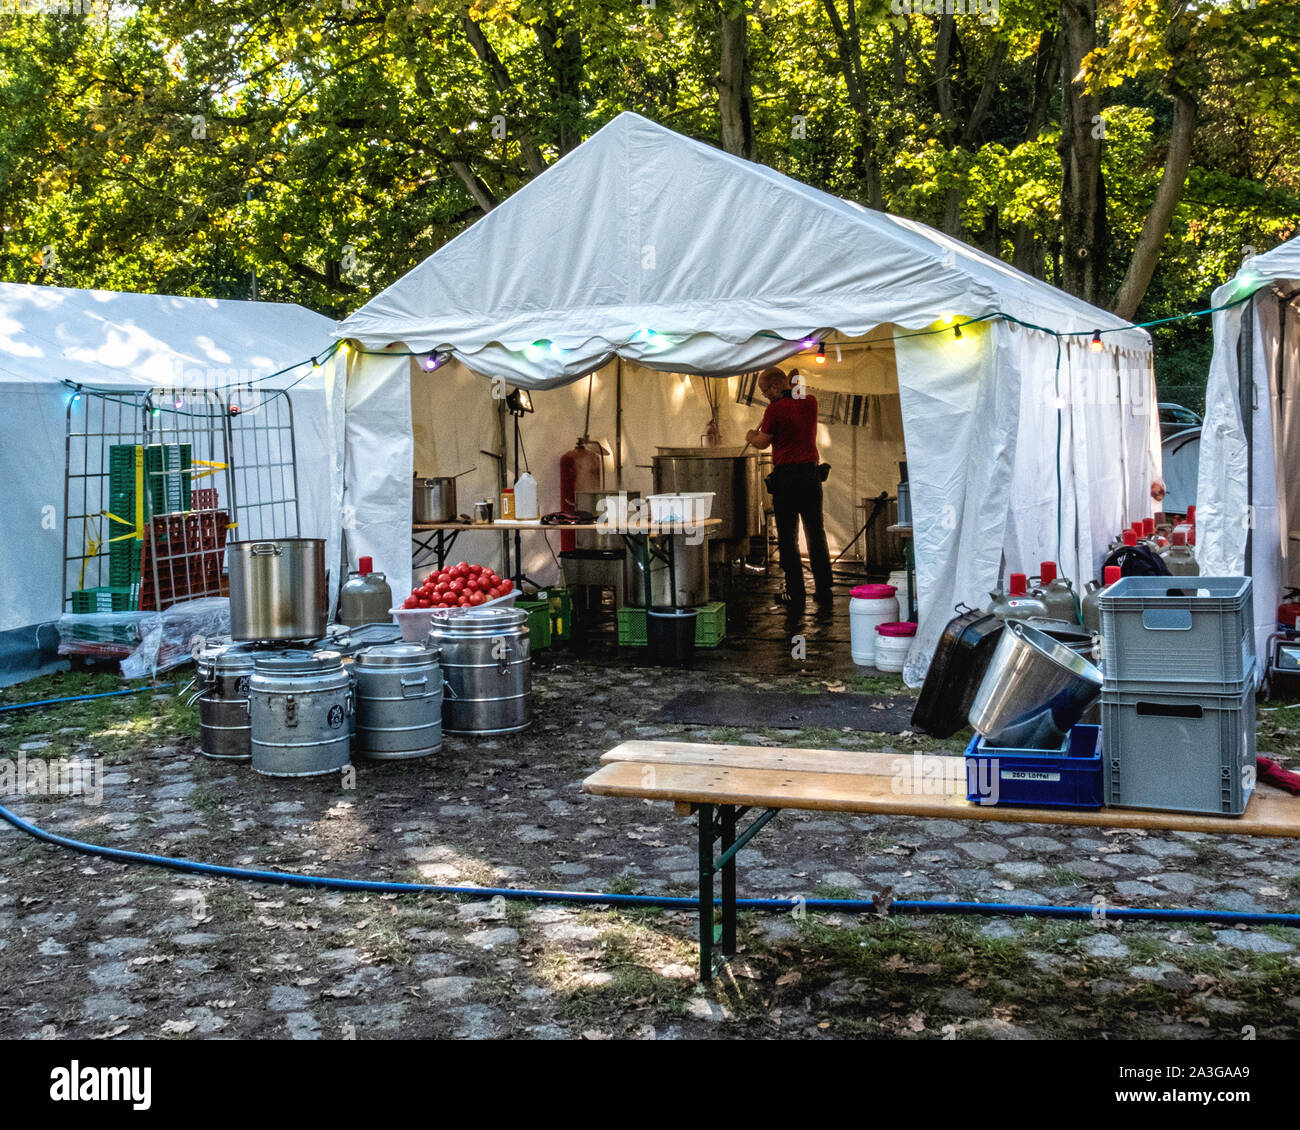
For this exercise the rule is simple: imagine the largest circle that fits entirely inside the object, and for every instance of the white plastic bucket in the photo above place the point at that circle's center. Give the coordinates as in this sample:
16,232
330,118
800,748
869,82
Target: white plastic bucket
869,605
893,642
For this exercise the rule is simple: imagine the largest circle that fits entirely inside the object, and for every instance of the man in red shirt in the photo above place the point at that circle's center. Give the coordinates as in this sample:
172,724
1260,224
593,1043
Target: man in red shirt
789,428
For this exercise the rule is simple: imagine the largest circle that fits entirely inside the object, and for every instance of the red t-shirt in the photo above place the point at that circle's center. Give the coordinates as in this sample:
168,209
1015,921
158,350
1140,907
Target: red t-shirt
792,424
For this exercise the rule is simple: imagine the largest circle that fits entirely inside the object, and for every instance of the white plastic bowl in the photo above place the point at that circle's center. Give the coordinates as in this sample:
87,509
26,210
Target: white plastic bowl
687,506
416,622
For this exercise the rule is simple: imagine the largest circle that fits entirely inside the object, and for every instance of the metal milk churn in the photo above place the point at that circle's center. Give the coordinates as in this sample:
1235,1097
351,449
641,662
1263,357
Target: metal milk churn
300,705
399,701
486,667
224,731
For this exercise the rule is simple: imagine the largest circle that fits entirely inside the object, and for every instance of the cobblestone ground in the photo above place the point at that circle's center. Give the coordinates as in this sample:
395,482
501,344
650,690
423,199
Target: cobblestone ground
92,948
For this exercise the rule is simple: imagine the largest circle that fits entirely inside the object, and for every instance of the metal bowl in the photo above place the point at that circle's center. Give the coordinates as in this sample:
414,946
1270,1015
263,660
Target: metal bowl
1034,690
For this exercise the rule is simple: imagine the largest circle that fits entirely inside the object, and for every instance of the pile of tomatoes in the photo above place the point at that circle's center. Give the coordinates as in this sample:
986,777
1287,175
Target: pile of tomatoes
460,585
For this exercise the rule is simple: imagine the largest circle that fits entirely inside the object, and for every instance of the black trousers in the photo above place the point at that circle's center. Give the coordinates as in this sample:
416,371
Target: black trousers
796,495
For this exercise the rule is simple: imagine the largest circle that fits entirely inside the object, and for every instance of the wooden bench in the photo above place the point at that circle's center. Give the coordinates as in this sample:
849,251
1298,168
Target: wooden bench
724,783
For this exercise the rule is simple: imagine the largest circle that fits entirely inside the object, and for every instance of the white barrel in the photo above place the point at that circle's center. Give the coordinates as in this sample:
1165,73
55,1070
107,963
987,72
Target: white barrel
893,642
869,605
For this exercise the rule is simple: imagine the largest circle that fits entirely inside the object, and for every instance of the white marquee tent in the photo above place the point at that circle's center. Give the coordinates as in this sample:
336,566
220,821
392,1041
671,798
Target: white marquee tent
1248,490
53,339
648,249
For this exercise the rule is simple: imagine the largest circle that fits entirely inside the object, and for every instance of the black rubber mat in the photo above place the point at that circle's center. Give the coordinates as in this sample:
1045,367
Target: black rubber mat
788,710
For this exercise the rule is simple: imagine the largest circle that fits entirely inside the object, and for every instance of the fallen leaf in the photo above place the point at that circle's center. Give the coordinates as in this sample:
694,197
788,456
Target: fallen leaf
178,1027
592,1034
791,978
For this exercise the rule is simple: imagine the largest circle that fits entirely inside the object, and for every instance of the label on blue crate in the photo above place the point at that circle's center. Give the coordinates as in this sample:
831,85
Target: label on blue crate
1023,775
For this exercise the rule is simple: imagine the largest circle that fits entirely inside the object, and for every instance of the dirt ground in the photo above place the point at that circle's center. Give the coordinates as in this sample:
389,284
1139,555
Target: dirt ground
94,948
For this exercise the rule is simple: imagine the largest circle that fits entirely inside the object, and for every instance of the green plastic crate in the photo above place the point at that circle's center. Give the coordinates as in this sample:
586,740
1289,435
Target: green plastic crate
124,560
710,625
561,602
539,622
166,478
105,598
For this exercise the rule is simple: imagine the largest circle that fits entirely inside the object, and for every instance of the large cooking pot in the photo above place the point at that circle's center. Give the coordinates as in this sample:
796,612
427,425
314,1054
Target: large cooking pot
434,500
277,589
1034,690
732,476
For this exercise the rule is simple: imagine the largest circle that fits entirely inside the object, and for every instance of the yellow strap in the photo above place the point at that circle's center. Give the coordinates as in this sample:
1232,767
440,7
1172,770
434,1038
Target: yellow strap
139,492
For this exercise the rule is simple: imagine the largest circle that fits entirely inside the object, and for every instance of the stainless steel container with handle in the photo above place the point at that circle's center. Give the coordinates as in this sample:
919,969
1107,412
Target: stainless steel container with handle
486,665
300,704
1034,690
277,589
434,499
224,729
399,701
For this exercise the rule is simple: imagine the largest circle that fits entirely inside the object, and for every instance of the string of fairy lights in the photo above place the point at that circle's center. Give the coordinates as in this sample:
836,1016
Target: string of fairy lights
655,341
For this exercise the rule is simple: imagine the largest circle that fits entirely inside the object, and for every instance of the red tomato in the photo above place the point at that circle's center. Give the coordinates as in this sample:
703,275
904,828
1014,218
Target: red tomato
462,600
457,586
409,602
507,586
476,569
425,602
441,586
476,598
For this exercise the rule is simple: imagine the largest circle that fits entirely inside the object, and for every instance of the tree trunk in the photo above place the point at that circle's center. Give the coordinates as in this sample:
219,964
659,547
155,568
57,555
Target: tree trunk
1083,191
561,46
849,50
735,97
1026,249
488,56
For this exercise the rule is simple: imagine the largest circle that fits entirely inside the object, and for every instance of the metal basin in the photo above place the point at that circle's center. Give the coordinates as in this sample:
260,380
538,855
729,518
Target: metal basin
1035,689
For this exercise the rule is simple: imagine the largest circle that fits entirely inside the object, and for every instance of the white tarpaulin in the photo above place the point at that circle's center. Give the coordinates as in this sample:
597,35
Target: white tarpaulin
680,258
1247,490
52,339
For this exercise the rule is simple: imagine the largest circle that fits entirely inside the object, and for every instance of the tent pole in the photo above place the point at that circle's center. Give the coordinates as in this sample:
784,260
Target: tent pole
618,424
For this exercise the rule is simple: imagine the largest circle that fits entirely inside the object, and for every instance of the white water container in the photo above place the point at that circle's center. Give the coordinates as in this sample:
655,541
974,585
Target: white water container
869,605
526,498
893,642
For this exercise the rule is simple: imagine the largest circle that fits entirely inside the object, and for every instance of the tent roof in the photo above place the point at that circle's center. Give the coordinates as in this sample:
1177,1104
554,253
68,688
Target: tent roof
643,229
1283,262
115,340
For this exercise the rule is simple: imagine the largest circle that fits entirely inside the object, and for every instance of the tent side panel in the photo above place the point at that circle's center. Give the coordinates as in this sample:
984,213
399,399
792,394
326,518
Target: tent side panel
960,405
377,475
32,463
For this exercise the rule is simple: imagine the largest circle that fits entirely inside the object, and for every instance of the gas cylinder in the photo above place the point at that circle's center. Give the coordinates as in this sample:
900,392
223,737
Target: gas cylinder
581,469
366,597
1016,604
1057,593
1091,603
1180,558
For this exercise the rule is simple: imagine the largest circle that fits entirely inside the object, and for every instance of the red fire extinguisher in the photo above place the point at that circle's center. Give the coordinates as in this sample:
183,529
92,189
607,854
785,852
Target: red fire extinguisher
581,469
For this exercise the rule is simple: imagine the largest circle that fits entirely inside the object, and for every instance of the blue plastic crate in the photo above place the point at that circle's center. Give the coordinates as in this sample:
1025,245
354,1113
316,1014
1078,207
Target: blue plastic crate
1069,777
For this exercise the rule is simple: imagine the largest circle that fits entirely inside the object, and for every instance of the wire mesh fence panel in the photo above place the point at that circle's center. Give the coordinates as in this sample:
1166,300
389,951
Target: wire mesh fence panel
158,481
263,466
94,534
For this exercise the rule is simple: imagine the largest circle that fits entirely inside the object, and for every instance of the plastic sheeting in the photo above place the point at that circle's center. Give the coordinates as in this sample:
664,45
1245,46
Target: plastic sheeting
154,641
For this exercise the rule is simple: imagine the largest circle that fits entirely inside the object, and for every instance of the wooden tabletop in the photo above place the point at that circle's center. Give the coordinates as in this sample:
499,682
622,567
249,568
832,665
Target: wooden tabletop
651,528
844,781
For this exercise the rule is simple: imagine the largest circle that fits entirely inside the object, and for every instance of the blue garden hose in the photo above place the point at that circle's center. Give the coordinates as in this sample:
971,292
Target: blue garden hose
86,697
849,906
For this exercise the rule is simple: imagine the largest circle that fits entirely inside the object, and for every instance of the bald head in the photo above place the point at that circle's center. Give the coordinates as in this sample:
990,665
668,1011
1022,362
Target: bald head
772,382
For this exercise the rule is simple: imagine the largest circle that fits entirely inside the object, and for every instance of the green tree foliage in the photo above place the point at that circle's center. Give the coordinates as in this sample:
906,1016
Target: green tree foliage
315,152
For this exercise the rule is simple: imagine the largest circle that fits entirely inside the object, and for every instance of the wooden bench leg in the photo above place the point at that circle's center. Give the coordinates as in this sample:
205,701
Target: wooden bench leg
705,812
728,882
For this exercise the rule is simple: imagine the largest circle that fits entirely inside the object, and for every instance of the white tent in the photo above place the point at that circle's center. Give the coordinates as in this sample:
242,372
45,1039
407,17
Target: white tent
1248,494
54,339
673,256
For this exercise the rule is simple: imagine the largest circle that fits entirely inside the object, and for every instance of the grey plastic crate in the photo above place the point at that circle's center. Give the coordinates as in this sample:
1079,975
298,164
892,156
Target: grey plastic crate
1179,753
1177,633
